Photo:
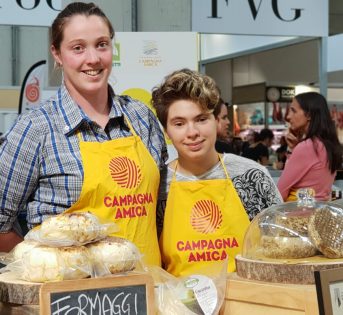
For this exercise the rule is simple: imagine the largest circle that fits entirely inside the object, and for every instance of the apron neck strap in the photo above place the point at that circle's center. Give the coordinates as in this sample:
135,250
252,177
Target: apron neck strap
130,126
78,133
223,165
174,173
220,160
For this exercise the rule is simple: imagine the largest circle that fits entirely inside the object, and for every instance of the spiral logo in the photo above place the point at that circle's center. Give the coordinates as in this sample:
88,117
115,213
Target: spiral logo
125,172
206,216
32,91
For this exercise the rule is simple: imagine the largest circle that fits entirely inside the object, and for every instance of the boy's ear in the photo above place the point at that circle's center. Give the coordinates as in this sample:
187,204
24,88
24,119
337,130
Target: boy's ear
166,134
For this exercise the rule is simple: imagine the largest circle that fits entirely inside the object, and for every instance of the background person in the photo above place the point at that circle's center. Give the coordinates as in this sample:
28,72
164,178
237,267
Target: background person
64,155
223,133
228,188
316,153
251,137
281,153
259,151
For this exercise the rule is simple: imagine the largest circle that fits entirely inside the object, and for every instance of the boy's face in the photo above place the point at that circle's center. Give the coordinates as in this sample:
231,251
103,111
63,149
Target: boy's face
192,131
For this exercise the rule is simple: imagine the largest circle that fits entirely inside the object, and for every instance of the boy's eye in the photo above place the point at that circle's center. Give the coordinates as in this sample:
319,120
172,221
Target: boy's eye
203,118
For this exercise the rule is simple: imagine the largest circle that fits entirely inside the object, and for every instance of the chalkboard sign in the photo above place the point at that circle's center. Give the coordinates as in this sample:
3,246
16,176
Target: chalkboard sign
127,294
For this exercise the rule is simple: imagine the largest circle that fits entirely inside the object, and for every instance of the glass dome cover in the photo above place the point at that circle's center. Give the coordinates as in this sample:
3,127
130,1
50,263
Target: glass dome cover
305,230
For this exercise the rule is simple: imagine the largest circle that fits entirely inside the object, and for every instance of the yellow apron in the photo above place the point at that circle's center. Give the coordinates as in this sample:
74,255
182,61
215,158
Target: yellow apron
120,184
204,223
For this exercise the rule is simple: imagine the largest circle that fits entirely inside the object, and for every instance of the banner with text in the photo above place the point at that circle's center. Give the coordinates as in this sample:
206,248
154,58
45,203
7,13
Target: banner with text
261,17
33,12
142,59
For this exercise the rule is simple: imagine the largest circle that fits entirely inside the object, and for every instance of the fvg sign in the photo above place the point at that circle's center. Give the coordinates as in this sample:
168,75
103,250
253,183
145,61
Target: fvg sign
261,17
29,12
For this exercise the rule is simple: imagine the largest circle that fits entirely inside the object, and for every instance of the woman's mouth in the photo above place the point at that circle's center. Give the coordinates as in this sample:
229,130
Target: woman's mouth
92,73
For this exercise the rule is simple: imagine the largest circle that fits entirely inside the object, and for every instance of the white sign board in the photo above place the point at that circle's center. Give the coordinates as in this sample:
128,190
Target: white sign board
142,59
261,17
29,12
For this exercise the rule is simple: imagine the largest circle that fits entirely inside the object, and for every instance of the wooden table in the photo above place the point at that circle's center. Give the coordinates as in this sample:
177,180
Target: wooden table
263,298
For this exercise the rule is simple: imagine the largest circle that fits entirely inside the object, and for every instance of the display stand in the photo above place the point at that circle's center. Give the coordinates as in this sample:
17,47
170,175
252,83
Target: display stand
242,296
261,298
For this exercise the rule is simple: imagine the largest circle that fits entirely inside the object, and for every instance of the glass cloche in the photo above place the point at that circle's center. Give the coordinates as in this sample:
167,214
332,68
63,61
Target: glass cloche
296,230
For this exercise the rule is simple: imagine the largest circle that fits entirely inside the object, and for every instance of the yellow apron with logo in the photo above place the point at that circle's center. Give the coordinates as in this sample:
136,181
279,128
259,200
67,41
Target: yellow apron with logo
204,223
120,185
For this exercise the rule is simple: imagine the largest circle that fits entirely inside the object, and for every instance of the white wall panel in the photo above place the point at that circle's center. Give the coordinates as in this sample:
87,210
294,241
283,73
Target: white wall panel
164,16
5,55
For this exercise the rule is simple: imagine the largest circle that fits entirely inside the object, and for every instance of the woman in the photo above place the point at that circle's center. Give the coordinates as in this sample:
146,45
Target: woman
314,152
259,151
69,154
223,122
211,197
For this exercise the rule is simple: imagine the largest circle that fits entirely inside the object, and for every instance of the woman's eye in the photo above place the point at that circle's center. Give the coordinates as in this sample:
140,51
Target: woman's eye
78,48
103,45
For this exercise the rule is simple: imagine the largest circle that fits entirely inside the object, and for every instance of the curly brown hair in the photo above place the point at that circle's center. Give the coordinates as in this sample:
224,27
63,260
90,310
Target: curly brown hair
184,84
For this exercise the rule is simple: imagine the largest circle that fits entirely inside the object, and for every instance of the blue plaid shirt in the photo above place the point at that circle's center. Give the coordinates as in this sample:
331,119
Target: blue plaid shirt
41,169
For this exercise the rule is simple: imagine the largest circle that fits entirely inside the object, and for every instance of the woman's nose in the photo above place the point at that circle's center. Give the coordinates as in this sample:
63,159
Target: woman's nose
92,56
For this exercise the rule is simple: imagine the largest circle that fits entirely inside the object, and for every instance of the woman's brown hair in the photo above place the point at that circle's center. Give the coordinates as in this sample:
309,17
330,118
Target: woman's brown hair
75,8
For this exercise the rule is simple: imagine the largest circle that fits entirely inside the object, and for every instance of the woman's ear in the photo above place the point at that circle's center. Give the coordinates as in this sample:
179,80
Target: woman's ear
56,54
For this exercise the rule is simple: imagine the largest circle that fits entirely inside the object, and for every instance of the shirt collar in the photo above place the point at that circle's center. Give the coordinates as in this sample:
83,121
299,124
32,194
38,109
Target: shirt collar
74,116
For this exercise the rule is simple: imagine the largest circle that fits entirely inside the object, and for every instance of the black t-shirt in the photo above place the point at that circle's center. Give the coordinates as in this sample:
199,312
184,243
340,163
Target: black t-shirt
224,147
256,153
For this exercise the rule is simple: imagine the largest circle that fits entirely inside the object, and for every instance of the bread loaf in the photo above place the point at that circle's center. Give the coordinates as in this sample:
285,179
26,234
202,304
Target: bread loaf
23,247
113,255
326,232
44,264
292,225
287,247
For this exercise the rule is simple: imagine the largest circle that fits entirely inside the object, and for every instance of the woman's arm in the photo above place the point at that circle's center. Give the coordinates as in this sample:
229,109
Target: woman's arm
162,199
19,165
8,240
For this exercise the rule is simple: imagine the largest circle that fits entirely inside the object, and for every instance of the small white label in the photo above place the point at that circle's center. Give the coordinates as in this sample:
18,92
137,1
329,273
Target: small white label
205,292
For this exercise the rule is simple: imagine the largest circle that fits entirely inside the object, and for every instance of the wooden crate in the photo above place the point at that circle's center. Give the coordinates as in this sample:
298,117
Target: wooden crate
262,298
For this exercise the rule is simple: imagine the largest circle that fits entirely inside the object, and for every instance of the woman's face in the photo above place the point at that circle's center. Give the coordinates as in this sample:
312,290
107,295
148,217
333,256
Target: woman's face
223,123
298,120
192,131
85,55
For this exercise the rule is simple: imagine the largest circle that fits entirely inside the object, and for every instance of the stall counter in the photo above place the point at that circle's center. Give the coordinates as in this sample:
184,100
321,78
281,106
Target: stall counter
242,297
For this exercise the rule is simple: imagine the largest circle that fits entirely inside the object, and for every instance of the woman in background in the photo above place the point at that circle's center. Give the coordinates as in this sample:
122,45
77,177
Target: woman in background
314,152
